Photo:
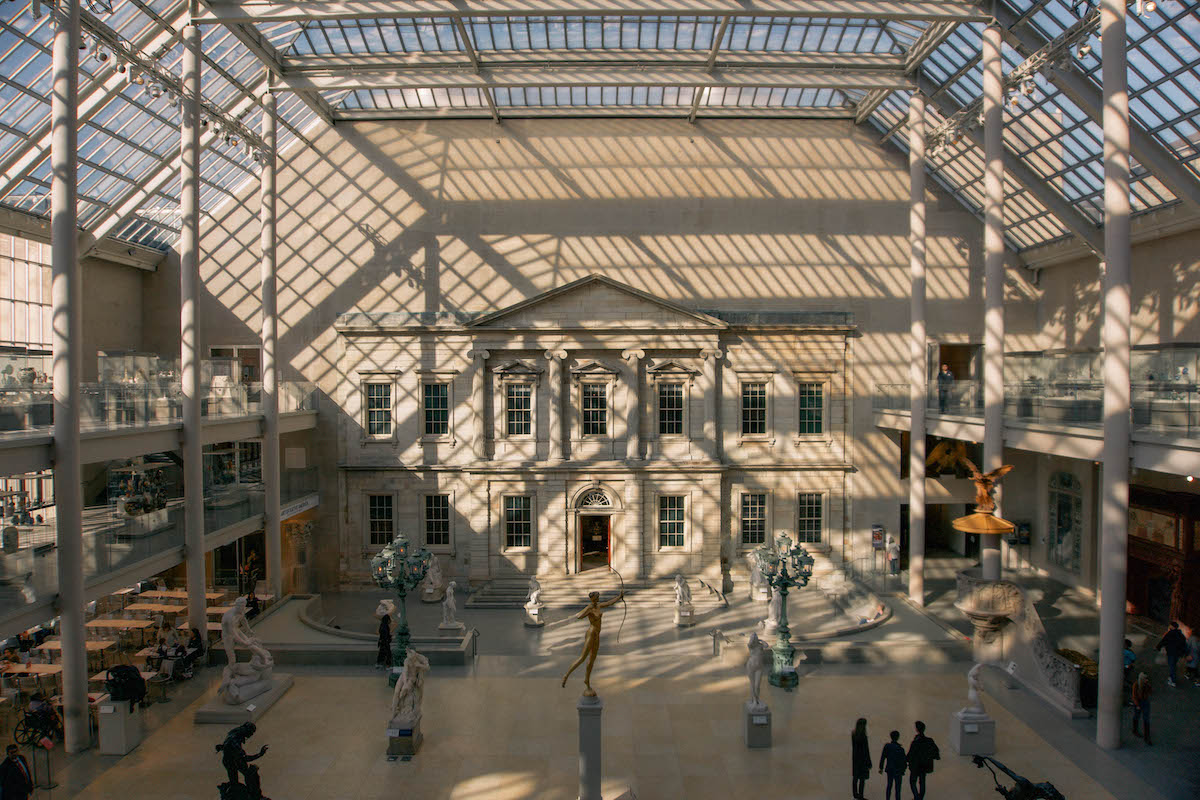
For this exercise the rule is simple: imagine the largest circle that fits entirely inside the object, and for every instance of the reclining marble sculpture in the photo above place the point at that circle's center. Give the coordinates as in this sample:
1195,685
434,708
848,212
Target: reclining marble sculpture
242,681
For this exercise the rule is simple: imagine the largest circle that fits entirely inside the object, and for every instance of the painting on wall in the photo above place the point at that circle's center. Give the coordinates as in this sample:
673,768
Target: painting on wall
1154,526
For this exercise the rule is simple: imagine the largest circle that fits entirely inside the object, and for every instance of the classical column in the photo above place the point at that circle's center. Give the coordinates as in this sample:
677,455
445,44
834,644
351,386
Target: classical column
270,375
1114,511
554,418
993,277
712,427
66,337
917,378
189,328
478,395
633,398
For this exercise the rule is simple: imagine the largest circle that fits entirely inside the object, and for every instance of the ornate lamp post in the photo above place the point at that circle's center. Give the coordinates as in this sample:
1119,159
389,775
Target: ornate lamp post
397,567
783,671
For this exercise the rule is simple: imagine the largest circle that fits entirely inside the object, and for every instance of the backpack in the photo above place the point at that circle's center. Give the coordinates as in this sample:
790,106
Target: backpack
931,754
125,682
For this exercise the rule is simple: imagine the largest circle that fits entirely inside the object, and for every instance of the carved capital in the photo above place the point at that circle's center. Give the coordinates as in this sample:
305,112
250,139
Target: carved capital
633,354
555,355
711,352
479,355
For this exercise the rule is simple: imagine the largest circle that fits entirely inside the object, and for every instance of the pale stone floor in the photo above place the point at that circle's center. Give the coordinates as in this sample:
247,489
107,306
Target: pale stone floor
505,729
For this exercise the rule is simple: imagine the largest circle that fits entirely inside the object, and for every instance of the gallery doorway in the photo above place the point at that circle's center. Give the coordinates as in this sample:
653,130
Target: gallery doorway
595,542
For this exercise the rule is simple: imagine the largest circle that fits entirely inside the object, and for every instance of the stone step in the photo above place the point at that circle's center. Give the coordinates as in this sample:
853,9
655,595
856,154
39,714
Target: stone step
572,591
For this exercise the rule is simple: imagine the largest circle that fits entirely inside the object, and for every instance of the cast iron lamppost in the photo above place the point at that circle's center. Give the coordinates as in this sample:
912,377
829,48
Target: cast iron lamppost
783,671
397,567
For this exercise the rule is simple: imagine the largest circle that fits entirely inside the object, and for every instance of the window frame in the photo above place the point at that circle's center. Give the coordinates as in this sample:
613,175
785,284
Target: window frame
448,546
767,378
368,520
532,522
824,380
593,373
822,508
365,380
509,383
429,378
684,521
667,373
584,385
767,538
515,372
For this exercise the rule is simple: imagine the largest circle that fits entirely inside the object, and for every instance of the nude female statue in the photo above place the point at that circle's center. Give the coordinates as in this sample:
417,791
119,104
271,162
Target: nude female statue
591,642
754,667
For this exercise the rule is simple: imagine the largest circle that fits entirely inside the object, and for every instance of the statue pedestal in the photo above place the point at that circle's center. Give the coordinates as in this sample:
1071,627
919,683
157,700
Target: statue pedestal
685,615
590,761
121,730
758,724
433,595
217,712
404,737
533,615
453,627
972,733
761,594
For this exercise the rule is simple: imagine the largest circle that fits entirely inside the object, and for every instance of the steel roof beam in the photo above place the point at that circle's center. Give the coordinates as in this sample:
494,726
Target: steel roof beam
692,59
520,77
1084,93
263,11
542,112
928,41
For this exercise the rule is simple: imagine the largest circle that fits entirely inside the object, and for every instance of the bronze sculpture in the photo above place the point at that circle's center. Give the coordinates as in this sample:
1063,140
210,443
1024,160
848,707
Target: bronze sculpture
591,642
1023,788
949,453
235,761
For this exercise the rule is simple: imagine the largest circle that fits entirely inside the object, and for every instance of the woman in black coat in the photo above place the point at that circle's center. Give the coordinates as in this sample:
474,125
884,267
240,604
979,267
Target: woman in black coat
860,758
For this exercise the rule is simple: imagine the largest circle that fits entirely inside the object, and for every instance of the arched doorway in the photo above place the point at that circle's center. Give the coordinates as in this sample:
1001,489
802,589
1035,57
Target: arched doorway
595,529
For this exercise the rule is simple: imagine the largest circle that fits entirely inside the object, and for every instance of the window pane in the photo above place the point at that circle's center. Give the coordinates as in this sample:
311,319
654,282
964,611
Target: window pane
809,522
379,518
519,409
437,409
379,409
670,521
812,410
518,522
754,518
595,409
754,408
437,519
670,409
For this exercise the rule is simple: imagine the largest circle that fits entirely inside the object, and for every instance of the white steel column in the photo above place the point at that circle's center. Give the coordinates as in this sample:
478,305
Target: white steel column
554,418
993,277
272,524
1114,492
917,378
189,332
633,404
478,394
66,342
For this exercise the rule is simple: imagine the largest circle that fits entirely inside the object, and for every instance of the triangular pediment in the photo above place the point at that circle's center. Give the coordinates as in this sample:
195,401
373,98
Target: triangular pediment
517,367
593,368
671,368
598,303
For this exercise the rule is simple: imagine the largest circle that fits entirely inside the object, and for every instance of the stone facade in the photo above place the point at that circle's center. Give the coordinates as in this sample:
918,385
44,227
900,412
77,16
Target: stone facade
590,424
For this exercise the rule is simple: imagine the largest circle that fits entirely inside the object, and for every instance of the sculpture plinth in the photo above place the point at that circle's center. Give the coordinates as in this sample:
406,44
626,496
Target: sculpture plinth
991,604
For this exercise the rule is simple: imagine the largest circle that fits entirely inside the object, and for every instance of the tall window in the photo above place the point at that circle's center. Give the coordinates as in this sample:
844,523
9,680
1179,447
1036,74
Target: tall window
379,409
518,521
437,519
1066,520
437,409
754,518
754,409
379,518
670,409
812,408
809,520
518,409
595,409
670,521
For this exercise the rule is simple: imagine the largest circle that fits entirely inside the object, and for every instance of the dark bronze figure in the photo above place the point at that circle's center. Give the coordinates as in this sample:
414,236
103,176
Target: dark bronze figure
1023,788
236,762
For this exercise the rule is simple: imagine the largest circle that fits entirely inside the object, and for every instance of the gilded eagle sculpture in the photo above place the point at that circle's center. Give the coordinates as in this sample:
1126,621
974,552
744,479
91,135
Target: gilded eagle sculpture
948,453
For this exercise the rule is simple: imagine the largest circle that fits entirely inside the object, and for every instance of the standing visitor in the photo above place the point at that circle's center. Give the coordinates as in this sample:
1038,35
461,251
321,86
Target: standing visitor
921,754
383,659
1141,704
1175,645
945,383
892,761
860,758
1193,656
893,554
15,780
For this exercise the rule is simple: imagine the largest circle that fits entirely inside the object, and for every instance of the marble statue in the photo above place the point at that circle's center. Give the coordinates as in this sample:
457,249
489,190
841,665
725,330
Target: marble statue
756,575
974,701
591,641
683,592
386,608
449,608
410,689
240,682
535,593
237,763
433,584
771,623
754,670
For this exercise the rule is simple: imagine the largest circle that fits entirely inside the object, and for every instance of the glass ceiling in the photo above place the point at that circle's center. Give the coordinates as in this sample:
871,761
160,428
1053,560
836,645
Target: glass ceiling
630,63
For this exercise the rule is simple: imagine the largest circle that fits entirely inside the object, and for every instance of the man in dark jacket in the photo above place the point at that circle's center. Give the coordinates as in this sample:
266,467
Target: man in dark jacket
921,754
16,782
1174,642
893,761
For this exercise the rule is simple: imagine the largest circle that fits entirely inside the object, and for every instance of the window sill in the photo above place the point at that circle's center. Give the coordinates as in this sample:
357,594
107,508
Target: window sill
440,438
813,438
518,550
757,439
